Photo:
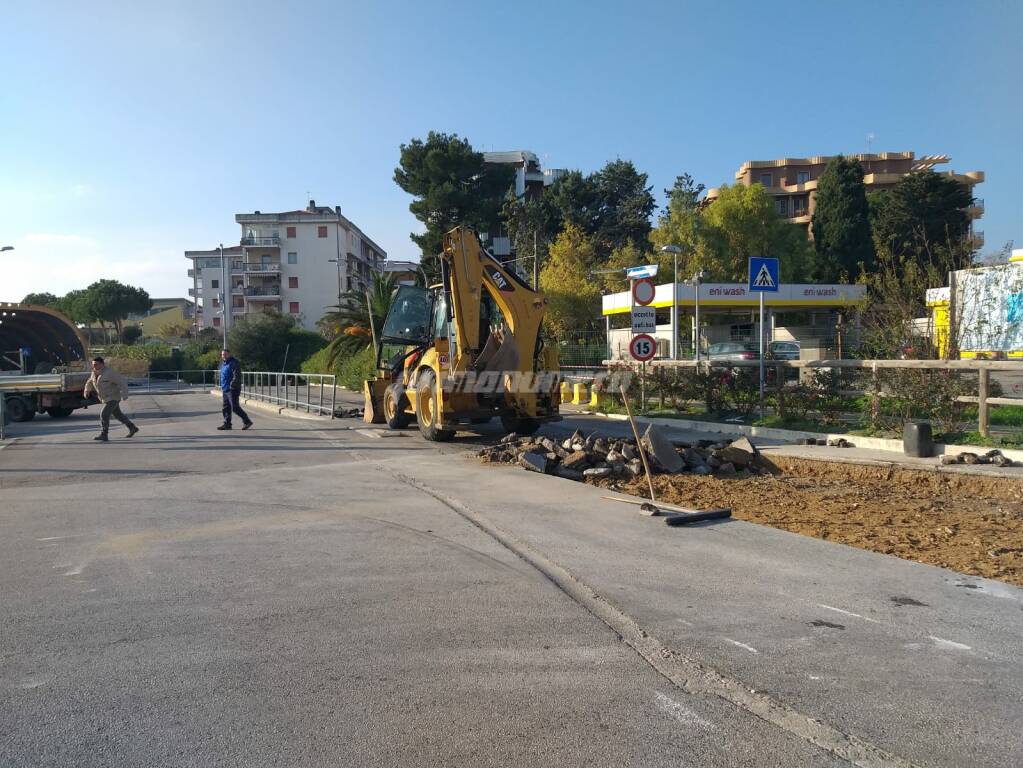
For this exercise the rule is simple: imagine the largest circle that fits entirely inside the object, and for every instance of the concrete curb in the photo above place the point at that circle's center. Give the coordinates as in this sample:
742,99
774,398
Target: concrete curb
795,436
269,408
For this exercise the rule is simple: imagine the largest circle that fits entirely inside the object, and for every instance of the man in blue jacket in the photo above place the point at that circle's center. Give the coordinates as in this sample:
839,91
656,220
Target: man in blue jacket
231,386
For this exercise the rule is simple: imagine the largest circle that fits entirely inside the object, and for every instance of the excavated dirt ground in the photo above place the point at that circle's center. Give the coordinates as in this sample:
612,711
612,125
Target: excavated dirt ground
967,523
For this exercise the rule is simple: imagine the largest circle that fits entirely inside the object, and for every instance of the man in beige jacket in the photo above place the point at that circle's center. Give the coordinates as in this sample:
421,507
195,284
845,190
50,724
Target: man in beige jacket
111,388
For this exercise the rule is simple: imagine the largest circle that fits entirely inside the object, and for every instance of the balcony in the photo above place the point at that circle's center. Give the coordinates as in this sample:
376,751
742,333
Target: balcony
237,290
191,292
263,293
191,273
266,269
262,242
975,209
976,239
237,310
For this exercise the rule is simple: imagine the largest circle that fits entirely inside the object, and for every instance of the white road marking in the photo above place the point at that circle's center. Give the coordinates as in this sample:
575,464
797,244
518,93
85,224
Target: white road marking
368,433
847,613
949,644
683,714
57,538
749,648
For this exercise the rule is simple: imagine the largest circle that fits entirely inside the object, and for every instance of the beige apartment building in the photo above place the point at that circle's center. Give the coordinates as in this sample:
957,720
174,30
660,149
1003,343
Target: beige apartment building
298,263
792,181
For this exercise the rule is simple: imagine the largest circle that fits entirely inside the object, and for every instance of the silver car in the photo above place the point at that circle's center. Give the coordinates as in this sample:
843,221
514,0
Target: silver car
733,350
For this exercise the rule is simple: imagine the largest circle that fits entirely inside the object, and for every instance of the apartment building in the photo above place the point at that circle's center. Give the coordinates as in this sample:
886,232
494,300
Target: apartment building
792,181
293,262
530,182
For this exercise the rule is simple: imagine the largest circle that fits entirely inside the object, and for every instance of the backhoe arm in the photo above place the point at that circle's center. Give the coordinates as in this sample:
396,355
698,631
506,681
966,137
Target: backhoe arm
470,270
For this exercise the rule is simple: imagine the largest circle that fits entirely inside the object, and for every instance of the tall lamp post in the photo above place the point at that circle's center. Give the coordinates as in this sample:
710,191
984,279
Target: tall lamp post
697,279
338,262
674,250
225,294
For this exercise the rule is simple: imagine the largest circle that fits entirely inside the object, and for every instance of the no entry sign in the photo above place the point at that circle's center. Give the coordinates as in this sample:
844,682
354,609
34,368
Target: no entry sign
643,347
643,291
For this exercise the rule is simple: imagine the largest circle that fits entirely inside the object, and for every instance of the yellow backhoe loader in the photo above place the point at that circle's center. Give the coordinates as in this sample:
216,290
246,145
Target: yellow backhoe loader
465,351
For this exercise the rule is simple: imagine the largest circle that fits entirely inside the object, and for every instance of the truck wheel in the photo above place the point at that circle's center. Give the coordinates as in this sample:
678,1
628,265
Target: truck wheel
428,409
396,407
19,409
520,425
59,413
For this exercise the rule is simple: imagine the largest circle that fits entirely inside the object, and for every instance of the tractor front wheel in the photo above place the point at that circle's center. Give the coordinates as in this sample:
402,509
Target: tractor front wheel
428,411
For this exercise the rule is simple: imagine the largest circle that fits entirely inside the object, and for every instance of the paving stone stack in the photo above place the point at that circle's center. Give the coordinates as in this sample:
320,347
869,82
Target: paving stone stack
579,456
994,457
348,413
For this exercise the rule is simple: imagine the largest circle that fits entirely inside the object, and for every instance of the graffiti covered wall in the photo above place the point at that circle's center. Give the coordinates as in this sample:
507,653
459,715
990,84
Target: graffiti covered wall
989,308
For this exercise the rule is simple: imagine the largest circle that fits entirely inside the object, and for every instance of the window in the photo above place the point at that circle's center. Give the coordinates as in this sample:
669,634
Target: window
765,179
290,232
293,282
293,307
799,206
216,322
802,177
214,283
292,257
321,231
216,301
781,204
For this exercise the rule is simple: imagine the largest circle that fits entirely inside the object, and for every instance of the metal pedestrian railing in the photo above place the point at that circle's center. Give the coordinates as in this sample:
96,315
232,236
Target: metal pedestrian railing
311,392
172,382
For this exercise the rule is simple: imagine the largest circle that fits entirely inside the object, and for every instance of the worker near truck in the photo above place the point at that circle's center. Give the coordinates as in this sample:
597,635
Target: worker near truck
111,388
231,387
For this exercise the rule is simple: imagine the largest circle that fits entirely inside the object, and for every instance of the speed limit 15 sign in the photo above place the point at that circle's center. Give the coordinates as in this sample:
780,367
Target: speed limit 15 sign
643,347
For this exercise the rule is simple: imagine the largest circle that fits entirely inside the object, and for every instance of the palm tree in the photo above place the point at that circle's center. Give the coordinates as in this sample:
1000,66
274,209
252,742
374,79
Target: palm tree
347,324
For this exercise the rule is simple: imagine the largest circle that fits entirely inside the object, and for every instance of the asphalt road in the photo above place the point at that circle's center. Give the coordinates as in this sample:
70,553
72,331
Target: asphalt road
311,593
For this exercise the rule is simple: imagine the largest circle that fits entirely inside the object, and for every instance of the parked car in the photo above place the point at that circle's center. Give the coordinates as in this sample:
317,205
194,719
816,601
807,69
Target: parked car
733,350
784,350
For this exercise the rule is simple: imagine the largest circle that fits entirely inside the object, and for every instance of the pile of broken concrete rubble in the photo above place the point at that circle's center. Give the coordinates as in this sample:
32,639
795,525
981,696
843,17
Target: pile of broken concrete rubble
579,457
994,456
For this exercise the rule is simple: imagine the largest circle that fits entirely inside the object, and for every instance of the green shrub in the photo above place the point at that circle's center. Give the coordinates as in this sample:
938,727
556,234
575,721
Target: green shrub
131,334
270,341
353,371
318,363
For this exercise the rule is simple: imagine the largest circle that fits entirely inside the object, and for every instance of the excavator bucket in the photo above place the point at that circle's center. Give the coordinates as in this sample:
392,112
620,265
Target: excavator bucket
373,394
499,353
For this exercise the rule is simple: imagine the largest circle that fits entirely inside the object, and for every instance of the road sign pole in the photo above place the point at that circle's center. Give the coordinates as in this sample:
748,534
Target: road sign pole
674,311
761,354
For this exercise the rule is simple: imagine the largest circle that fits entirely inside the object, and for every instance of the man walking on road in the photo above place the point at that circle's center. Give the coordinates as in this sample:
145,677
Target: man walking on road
111,388
231,386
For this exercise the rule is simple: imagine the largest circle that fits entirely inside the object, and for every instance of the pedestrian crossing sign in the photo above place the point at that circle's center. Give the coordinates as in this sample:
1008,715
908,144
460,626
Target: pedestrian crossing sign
763,274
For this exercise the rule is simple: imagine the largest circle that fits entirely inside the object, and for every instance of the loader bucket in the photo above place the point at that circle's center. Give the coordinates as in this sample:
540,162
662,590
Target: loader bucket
373,394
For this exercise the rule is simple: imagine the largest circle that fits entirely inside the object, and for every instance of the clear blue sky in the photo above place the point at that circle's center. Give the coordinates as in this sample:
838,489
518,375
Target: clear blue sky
132,131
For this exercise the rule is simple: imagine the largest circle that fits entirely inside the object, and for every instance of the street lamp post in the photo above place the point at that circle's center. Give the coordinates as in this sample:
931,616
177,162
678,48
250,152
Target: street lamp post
697,279
338,262
337,244
674,250
225,294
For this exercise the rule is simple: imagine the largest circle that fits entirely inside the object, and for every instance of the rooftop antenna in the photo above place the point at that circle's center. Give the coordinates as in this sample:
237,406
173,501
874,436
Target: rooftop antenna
870,141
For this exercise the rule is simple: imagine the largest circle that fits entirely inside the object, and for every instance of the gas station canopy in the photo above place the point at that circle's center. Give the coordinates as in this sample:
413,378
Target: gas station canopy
736,295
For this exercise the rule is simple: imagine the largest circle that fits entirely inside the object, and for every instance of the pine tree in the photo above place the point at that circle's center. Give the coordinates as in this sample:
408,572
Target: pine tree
841,222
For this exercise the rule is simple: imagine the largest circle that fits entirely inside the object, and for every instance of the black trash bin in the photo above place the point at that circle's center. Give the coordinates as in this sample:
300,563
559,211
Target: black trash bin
917,439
